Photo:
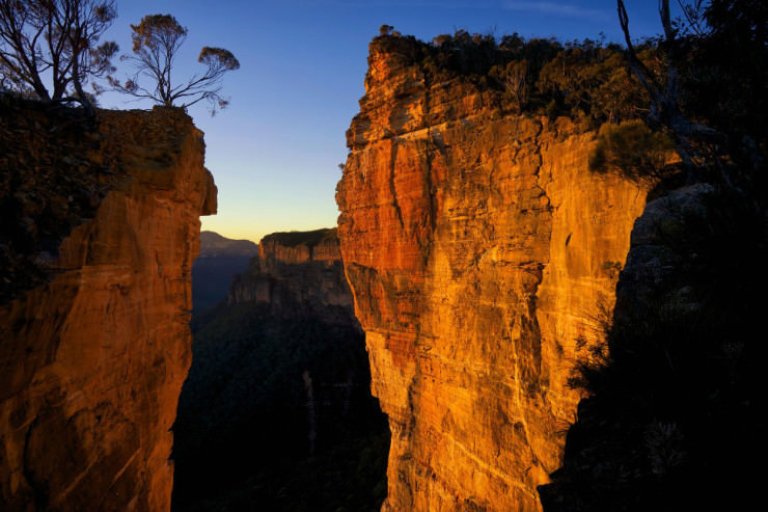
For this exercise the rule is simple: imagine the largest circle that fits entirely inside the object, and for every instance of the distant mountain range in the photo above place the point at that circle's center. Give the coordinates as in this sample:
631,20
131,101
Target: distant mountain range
213,245
220,260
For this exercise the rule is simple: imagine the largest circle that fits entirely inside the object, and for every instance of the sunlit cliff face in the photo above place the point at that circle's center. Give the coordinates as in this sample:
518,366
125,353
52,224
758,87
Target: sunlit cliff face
92,362
482,254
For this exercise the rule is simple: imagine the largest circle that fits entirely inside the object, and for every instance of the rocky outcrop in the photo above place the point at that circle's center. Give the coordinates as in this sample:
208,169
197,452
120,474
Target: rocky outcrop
92,360
482,254
298,275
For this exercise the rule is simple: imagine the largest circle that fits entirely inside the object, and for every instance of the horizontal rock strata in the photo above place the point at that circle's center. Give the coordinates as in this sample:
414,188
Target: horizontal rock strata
483,255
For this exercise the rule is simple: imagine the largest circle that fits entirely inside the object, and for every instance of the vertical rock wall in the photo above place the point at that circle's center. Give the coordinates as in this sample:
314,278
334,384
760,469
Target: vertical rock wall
298,275
482,254
92,363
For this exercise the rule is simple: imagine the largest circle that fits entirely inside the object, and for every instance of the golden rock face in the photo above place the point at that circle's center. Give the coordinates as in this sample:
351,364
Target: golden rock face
482,254
299,275
93,361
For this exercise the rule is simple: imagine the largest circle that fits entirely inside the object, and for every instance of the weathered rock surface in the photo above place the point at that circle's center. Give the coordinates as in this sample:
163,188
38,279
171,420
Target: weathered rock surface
482,254
92,362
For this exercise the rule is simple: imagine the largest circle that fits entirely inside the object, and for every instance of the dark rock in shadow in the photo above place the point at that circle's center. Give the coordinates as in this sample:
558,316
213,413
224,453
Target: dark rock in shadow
674,417
277,413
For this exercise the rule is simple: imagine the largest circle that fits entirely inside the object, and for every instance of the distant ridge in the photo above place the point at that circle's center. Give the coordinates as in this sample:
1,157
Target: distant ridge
308,238
213,244
220,260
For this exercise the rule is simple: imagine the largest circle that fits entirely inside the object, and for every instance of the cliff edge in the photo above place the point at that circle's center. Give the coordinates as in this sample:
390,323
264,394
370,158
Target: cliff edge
93,354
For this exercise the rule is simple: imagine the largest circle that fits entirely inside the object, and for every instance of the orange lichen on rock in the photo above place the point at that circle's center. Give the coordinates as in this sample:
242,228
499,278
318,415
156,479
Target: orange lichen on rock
92,362
482,254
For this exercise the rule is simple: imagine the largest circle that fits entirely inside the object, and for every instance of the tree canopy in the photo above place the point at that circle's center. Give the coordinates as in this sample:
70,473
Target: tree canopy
156,42
585,80
709,94
48,48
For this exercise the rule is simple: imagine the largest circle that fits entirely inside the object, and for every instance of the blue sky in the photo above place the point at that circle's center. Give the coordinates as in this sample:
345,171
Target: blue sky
275,151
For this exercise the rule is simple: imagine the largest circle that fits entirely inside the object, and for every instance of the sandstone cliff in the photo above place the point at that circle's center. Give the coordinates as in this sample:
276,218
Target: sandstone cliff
482,254
298,275
92,360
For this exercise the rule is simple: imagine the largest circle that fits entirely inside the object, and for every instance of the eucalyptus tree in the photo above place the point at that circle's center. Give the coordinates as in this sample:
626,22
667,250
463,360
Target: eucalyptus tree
157,40
49,48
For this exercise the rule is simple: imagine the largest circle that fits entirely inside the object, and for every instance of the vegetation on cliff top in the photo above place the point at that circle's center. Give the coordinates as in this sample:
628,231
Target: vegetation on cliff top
585,80
308,238
676,408
700,87
633,149
49,50
156,41
55,41
50,182
56,166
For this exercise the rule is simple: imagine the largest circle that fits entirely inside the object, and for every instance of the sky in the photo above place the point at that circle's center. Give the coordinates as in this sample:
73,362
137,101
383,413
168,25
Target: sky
275,151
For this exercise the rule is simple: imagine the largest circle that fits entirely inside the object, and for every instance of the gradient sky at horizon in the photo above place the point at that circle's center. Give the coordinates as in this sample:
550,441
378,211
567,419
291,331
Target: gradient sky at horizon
275,151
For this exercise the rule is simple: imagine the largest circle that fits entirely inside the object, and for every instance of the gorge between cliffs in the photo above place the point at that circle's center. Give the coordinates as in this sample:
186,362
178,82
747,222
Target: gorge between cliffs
496,323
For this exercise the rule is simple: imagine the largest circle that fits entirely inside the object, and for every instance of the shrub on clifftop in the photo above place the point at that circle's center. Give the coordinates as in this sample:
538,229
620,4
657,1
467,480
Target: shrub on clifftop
631,148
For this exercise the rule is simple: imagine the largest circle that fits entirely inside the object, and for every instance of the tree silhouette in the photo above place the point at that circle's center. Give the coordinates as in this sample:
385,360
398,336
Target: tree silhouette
54,41
710,95
156,41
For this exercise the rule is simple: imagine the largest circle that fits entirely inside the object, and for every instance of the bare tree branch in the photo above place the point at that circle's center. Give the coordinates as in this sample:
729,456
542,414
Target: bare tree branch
665,111
59,37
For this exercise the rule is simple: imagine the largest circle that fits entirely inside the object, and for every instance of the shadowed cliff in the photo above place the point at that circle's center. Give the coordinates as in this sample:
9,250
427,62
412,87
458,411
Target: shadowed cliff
100,227
675,399
276,412
675,419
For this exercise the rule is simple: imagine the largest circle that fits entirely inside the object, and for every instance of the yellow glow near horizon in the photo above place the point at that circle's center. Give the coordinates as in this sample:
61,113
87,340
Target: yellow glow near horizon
254,232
